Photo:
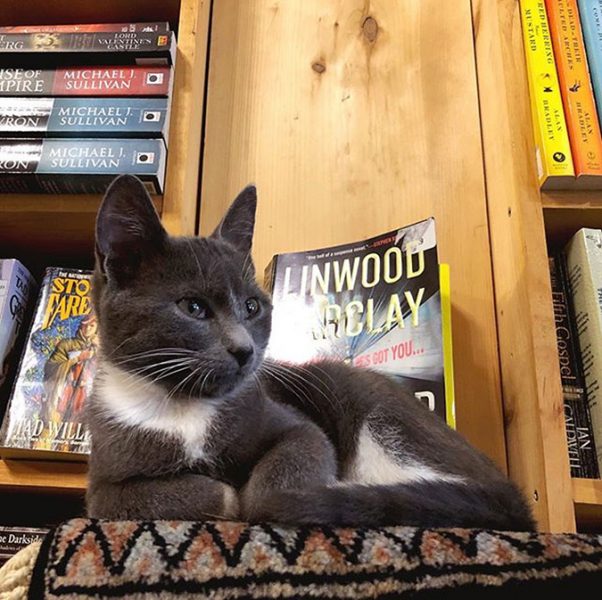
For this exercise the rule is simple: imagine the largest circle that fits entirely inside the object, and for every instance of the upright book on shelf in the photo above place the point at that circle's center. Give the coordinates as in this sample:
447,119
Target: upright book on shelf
590,14
376,303
552,148
45,418
14,538
584,260
579,432
577,94
17,296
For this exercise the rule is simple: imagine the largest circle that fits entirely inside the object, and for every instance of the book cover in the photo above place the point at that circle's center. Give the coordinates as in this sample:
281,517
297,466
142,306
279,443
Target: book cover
580,439
18,291
20,49
552,149
78,166
577,94
590,13
374,304
84,117
584,260
44,418
156,27
135,80
14,538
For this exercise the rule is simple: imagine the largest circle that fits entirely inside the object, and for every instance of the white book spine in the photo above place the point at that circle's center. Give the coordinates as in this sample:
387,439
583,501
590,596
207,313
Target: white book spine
584,259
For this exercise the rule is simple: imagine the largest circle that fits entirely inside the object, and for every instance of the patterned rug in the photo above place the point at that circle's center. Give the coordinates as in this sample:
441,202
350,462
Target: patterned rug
160,559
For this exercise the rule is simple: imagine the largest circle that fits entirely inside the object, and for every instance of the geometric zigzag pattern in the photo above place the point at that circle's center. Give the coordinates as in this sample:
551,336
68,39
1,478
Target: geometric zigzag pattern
86,558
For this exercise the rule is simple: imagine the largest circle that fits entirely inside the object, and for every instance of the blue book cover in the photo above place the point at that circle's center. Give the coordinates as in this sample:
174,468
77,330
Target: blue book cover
84,117
590,13
78,166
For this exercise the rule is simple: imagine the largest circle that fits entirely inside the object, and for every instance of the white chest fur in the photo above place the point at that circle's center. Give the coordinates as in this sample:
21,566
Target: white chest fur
374,465
134,401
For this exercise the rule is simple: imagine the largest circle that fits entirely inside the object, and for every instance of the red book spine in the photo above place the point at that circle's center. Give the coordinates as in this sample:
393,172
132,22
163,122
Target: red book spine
112,81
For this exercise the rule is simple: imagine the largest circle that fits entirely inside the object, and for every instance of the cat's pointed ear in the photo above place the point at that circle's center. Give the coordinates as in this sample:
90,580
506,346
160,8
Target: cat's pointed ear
127,228
239,222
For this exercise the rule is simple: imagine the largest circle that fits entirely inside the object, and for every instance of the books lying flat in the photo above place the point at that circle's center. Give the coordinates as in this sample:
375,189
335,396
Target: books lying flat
78,166
86,81
86,48
159,27
84,117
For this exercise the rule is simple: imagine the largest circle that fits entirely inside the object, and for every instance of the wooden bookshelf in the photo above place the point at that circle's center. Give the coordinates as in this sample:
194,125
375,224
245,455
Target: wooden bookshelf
524,223
59,229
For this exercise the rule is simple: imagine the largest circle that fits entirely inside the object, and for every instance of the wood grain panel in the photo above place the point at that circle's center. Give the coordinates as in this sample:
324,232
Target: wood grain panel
354,118
536,438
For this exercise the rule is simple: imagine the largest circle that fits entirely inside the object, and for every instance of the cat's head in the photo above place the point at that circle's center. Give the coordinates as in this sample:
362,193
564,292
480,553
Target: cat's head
183,312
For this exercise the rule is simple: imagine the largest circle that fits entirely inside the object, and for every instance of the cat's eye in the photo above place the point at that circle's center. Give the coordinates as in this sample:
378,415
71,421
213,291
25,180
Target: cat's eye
195,308
252,305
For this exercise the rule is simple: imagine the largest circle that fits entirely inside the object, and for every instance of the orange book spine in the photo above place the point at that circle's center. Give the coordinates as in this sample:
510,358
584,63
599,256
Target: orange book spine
575,85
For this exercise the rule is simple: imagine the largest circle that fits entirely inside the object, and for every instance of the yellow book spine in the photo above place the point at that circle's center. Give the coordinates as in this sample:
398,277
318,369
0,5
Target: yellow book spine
448,359
552,146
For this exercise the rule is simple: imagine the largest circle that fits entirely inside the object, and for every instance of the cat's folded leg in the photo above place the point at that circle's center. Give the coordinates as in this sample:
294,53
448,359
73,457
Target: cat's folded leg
301,458
185,496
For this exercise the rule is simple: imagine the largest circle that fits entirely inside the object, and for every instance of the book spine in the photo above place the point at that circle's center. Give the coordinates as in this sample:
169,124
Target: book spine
590,12
102,41
584,259
155,27
78,166
552,148
577,94
75,117
580,439
446,335
86,81
14,538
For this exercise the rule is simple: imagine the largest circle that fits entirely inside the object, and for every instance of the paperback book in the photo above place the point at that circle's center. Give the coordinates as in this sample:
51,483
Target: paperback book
375,304
590,13
552,148
17,296
14,538
44,418
78,166
577,95
136,80
159,27
52,48
580,438
584,259
84,117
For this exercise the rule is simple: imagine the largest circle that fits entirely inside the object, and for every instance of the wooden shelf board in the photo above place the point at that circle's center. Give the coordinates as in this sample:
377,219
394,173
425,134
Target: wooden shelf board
587,496
572,200
43,476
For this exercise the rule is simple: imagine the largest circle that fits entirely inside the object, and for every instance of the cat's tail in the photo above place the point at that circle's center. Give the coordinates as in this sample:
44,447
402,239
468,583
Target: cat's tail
421,504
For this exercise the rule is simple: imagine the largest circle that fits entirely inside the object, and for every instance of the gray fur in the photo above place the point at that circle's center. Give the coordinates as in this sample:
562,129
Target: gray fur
275,443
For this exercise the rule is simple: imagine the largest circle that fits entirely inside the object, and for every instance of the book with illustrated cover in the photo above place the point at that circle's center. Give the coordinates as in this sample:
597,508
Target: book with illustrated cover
577,94
552,148
579,432
17,296
84,117
158,27
136,80
14,538
83,47
376,304
584,261
44,418
78,166
590,14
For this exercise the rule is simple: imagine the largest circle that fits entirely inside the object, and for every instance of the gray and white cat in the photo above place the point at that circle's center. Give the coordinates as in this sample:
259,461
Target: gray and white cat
189,422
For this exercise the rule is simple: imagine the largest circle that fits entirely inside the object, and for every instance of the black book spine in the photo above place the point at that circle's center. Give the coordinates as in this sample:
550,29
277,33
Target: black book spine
580,439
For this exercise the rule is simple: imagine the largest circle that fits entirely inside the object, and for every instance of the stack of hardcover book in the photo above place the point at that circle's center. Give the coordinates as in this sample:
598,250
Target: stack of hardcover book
80,104
563,48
